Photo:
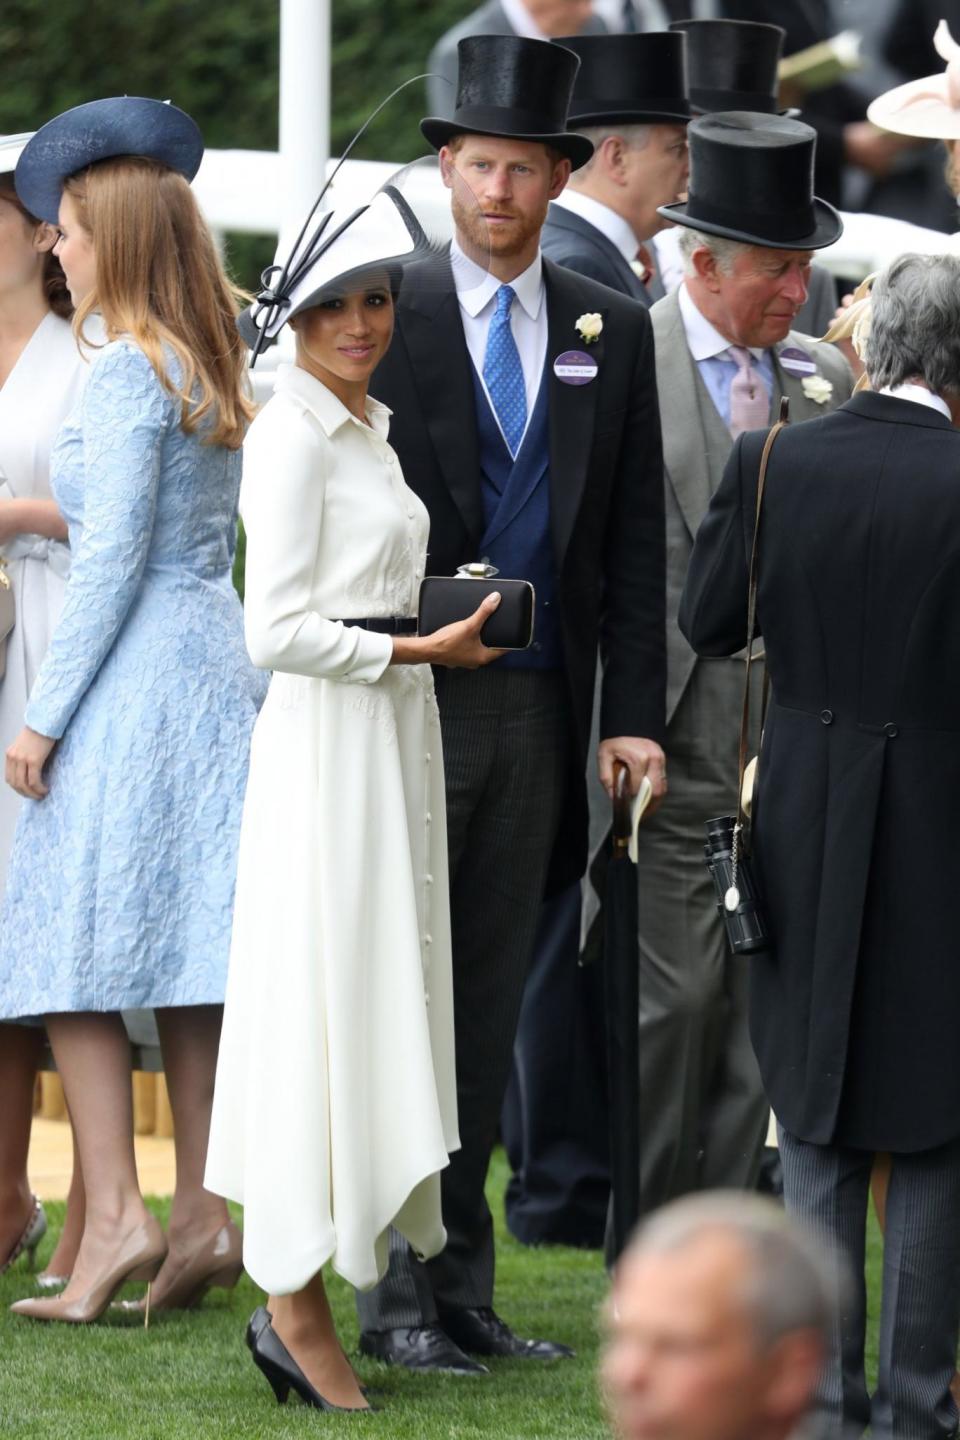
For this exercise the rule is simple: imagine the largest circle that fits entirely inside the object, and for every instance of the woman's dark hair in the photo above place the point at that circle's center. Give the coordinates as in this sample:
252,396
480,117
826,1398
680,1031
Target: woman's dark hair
54,280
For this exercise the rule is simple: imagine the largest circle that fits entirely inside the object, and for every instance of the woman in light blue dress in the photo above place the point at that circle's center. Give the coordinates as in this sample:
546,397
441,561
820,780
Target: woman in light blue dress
134,755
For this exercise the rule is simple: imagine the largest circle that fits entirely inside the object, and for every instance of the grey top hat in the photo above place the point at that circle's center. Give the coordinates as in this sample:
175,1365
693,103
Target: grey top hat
101,130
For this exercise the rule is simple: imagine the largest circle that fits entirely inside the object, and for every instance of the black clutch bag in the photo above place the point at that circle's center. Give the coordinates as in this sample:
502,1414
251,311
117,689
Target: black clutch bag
445,599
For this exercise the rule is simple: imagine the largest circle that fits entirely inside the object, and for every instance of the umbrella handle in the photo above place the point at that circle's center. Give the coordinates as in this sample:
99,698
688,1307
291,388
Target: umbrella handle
622,821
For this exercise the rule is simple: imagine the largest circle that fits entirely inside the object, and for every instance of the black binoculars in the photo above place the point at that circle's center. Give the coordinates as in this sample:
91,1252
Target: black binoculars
738,896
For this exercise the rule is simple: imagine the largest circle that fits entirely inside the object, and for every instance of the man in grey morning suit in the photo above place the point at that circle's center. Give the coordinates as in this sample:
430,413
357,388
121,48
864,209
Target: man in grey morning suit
536,19
725,355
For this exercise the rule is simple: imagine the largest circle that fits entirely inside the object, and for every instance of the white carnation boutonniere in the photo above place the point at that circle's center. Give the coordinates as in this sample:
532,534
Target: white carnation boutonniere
590,328
817,389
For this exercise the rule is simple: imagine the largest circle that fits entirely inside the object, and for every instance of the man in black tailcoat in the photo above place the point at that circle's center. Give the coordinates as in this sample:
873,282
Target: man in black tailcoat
525,416
630,101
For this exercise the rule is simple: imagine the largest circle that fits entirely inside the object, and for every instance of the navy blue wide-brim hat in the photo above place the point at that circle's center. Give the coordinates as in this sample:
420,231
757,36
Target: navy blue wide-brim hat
101,130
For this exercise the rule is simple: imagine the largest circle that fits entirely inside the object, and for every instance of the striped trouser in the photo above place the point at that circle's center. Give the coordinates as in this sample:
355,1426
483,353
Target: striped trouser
829,1186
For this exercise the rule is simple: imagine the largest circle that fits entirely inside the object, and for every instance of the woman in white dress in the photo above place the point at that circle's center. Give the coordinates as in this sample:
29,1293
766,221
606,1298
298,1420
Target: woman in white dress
41,373
335,1103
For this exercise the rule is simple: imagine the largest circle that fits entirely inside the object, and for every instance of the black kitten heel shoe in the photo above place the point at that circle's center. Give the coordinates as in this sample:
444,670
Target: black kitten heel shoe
272,1357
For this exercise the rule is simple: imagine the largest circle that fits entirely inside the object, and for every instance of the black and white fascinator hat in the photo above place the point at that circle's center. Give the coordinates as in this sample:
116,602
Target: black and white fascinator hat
407,223
335,255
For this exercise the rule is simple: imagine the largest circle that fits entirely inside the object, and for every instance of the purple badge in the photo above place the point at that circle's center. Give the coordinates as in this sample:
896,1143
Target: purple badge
574,367
797,362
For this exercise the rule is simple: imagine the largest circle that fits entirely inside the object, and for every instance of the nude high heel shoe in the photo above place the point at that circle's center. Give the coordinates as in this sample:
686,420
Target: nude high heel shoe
218,1262
138,1257
33,1233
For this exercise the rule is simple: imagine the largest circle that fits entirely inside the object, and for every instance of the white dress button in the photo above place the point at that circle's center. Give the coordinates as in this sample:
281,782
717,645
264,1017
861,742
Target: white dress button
428,939
428,879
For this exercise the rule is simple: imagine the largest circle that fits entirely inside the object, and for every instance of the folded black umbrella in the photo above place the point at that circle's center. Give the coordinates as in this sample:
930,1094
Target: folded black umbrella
622,1003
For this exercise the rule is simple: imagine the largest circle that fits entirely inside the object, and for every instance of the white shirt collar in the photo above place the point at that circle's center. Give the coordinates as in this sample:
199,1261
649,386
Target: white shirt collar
704,339
324,405
476,287
919,394
606,220
521,21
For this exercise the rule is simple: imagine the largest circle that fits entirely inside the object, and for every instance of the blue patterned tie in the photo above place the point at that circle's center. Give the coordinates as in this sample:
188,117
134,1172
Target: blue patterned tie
503,373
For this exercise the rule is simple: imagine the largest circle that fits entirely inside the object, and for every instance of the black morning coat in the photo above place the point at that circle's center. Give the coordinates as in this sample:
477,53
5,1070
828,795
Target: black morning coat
606,495
854,1013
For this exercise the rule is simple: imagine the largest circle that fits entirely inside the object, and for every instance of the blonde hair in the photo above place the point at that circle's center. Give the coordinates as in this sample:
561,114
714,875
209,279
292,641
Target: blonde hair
160,281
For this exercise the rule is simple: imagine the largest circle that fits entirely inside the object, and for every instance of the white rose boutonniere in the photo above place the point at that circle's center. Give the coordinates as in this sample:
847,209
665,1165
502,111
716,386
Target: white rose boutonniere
590,328
817,389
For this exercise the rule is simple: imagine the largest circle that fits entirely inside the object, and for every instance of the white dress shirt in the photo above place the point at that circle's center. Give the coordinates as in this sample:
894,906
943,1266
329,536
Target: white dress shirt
919,394
607,221
477,291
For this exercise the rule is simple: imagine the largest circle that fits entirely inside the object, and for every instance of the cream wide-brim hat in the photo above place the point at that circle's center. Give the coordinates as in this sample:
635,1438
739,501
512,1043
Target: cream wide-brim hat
929,108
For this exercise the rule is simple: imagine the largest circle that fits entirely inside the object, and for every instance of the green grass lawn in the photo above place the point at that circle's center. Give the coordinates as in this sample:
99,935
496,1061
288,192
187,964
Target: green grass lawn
191,1375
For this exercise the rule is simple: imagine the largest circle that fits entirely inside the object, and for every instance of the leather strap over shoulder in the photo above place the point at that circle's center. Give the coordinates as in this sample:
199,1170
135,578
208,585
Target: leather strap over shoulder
752,611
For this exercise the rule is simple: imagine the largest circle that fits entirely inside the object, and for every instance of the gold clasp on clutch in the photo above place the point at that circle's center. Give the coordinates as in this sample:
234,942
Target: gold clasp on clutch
4,577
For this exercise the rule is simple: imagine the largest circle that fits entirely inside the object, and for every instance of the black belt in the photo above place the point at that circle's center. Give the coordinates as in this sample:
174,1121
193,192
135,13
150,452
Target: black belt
386,624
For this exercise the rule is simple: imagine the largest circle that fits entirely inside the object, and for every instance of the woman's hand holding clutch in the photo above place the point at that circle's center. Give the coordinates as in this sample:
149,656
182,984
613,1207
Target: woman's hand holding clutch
457,646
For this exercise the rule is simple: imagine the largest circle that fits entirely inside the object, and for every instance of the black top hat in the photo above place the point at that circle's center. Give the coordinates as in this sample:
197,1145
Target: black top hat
514,87
751,179
732,64
629,80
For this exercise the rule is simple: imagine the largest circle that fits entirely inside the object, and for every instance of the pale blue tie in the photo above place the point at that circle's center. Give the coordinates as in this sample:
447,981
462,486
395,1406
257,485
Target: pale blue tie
503,373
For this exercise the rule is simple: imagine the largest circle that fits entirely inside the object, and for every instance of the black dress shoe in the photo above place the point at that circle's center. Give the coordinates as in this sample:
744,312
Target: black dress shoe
272,1357
424,1347
482,1332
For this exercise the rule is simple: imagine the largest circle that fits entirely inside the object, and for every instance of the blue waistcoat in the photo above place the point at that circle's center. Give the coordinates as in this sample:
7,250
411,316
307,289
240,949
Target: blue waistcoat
515,494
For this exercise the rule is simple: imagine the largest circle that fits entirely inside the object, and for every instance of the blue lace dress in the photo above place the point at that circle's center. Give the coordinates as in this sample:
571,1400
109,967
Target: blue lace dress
120,885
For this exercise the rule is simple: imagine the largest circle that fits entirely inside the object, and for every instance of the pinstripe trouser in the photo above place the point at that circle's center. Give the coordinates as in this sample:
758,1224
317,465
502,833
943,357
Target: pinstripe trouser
506,758
828,1185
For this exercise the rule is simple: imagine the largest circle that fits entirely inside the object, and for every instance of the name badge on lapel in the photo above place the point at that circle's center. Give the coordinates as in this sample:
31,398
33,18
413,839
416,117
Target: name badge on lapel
575,367
797,362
